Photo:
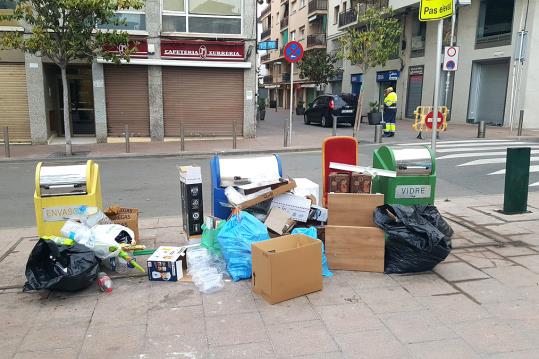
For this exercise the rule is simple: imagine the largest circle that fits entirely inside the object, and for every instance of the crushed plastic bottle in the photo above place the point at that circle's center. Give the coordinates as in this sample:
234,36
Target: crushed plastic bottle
206,269
104,282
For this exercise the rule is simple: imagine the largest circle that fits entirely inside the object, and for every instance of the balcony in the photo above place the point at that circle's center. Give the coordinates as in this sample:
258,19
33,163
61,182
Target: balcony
314,40
284,22
281,52
285,77
265,33
318,6
347,17
265,57
266,11
268,79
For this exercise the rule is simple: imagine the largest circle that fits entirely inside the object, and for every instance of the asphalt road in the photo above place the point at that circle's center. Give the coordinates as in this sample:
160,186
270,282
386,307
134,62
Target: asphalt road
152,184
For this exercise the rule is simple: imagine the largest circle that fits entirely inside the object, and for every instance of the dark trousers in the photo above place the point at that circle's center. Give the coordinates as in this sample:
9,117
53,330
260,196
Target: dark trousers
390,115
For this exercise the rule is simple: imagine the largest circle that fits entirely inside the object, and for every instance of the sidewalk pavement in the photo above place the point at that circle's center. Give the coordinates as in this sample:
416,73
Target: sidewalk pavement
269,139
482,302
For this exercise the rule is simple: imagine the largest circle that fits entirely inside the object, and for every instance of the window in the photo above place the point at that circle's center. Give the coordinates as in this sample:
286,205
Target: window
294,6
344,6
419,31
293,35
301,3
202,16
6,8
301,33
132,20
495,21
336,15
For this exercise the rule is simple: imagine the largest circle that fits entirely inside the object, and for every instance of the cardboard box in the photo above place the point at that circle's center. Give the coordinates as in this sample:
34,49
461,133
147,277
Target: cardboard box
166,264
297,207
360,183
306,188
339,182
279,221
352,239
287,267
127,217
285,187
191,199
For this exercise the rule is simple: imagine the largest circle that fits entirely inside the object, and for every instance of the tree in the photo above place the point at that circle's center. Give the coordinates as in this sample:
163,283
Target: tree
318,66
370,44
69,30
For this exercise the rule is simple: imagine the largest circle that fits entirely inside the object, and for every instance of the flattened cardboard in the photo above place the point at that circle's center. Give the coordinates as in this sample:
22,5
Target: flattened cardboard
297,207
355,248
268,195
353,209
127,217
287,267
279,221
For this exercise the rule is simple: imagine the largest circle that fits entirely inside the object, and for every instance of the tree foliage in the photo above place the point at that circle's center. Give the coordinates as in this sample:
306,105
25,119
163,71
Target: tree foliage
318,66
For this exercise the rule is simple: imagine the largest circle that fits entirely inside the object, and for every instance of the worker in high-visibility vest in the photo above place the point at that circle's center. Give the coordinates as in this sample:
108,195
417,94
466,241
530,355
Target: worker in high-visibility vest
390,112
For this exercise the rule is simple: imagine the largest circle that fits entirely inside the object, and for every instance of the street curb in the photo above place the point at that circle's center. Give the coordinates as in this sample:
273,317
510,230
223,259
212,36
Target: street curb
180,155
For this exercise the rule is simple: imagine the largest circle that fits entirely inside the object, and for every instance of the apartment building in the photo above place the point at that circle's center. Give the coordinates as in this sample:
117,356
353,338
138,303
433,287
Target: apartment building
486,86
304,21
195,67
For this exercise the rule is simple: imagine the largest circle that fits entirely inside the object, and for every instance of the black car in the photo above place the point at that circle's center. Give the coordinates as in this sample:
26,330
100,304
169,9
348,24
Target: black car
326,107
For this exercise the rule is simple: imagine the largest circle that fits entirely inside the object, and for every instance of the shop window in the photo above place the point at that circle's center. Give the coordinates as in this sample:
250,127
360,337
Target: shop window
419,32
215,7
132,20
174,5
6,8
214,25
173,23
495,23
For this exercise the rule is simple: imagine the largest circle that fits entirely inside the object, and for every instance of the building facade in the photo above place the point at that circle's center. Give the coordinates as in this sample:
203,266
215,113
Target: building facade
304,21
489,84
195,68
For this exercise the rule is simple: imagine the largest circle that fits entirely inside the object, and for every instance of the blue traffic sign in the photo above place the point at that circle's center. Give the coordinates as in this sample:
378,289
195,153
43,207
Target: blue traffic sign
293,51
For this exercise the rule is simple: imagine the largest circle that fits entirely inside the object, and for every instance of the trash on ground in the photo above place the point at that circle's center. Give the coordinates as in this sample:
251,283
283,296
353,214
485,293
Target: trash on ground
279,221
210,230
313,233
191,199
307,188
127,217
166,264
104,282
207,269
297,207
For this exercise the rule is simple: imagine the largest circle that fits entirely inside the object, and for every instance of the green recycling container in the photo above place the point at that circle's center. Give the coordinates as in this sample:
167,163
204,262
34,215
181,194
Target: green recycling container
415,182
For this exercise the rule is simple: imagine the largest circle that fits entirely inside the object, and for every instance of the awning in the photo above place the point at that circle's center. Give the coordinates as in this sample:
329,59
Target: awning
312,18
184,63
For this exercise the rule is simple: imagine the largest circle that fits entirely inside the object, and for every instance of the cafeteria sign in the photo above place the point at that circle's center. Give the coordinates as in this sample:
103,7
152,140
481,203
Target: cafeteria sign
435,9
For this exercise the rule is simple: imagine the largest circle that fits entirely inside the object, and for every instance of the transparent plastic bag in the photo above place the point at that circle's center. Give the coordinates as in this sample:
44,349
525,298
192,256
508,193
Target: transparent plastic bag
206,270
92,216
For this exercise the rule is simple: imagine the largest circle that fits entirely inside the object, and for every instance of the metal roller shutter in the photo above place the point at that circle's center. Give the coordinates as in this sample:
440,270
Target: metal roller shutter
127,100
14,102
205,100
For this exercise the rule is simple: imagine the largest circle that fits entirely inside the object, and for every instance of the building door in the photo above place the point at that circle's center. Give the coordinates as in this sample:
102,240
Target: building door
356,84
81,95
415,90
383,85
488,91
14,101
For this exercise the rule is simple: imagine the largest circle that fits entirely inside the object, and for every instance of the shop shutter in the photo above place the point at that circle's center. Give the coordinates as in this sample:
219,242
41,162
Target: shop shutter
14,102
205,100
415,89
126,88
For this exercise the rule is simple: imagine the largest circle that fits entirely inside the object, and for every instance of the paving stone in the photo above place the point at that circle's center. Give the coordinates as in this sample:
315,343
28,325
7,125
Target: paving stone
510,250
110,312
424,284
451,258
120,342
67,334
366,280
176,320
293,310
485,259
60,309
262,350
220,304
460,243
175,346
332,355
419,326
372,344
494,336
167,295
458,271
530,262
334,292
11,338
235,329
454,308
388,300
525,354
515,310
301,338
346,318
489,291
515,276
63,353
443,349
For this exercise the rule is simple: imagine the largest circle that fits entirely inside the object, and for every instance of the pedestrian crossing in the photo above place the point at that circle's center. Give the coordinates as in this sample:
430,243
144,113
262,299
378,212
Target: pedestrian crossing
487,154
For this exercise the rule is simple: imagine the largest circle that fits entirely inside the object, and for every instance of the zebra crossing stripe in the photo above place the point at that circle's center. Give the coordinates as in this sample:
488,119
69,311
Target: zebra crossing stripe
478,154
463,149
450,142
533,169
456,145
486,161
534,184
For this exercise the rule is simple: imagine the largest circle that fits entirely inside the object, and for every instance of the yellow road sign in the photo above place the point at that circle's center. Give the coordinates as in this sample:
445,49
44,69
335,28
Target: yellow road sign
435,9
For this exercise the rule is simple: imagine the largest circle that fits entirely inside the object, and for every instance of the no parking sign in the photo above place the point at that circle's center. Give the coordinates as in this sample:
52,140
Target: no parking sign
451,58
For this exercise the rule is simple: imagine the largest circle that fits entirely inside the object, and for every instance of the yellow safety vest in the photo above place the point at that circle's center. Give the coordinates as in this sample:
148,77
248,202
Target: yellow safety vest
391,100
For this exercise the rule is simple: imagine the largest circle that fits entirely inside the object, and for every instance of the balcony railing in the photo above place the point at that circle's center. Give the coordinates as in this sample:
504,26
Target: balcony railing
347,17
318,5
351,15
265,33
316,40
284,22
268,79
266,11
285,77
265,57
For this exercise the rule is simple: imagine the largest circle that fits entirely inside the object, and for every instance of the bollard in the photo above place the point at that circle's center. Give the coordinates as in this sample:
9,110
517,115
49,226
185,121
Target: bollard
517,176
378,133
126,139
520,122
182,137
334,131
7,150
481,129
234,144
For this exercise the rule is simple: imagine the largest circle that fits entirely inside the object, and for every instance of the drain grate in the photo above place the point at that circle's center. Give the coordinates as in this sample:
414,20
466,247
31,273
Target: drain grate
63,155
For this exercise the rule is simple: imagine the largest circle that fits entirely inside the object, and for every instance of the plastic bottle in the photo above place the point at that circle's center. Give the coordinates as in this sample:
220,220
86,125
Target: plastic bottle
104,282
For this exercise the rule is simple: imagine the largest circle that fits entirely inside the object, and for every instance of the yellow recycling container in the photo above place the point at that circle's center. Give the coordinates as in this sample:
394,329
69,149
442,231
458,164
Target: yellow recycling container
62,192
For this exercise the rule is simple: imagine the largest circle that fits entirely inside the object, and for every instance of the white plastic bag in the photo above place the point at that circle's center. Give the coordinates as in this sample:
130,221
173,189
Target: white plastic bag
104,239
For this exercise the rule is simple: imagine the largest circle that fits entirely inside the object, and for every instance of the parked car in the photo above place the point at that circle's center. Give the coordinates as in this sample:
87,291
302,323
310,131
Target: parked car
326,107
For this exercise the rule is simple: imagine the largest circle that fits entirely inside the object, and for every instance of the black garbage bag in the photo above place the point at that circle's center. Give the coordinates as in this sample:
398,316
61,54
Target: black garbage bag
418,237
58,267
